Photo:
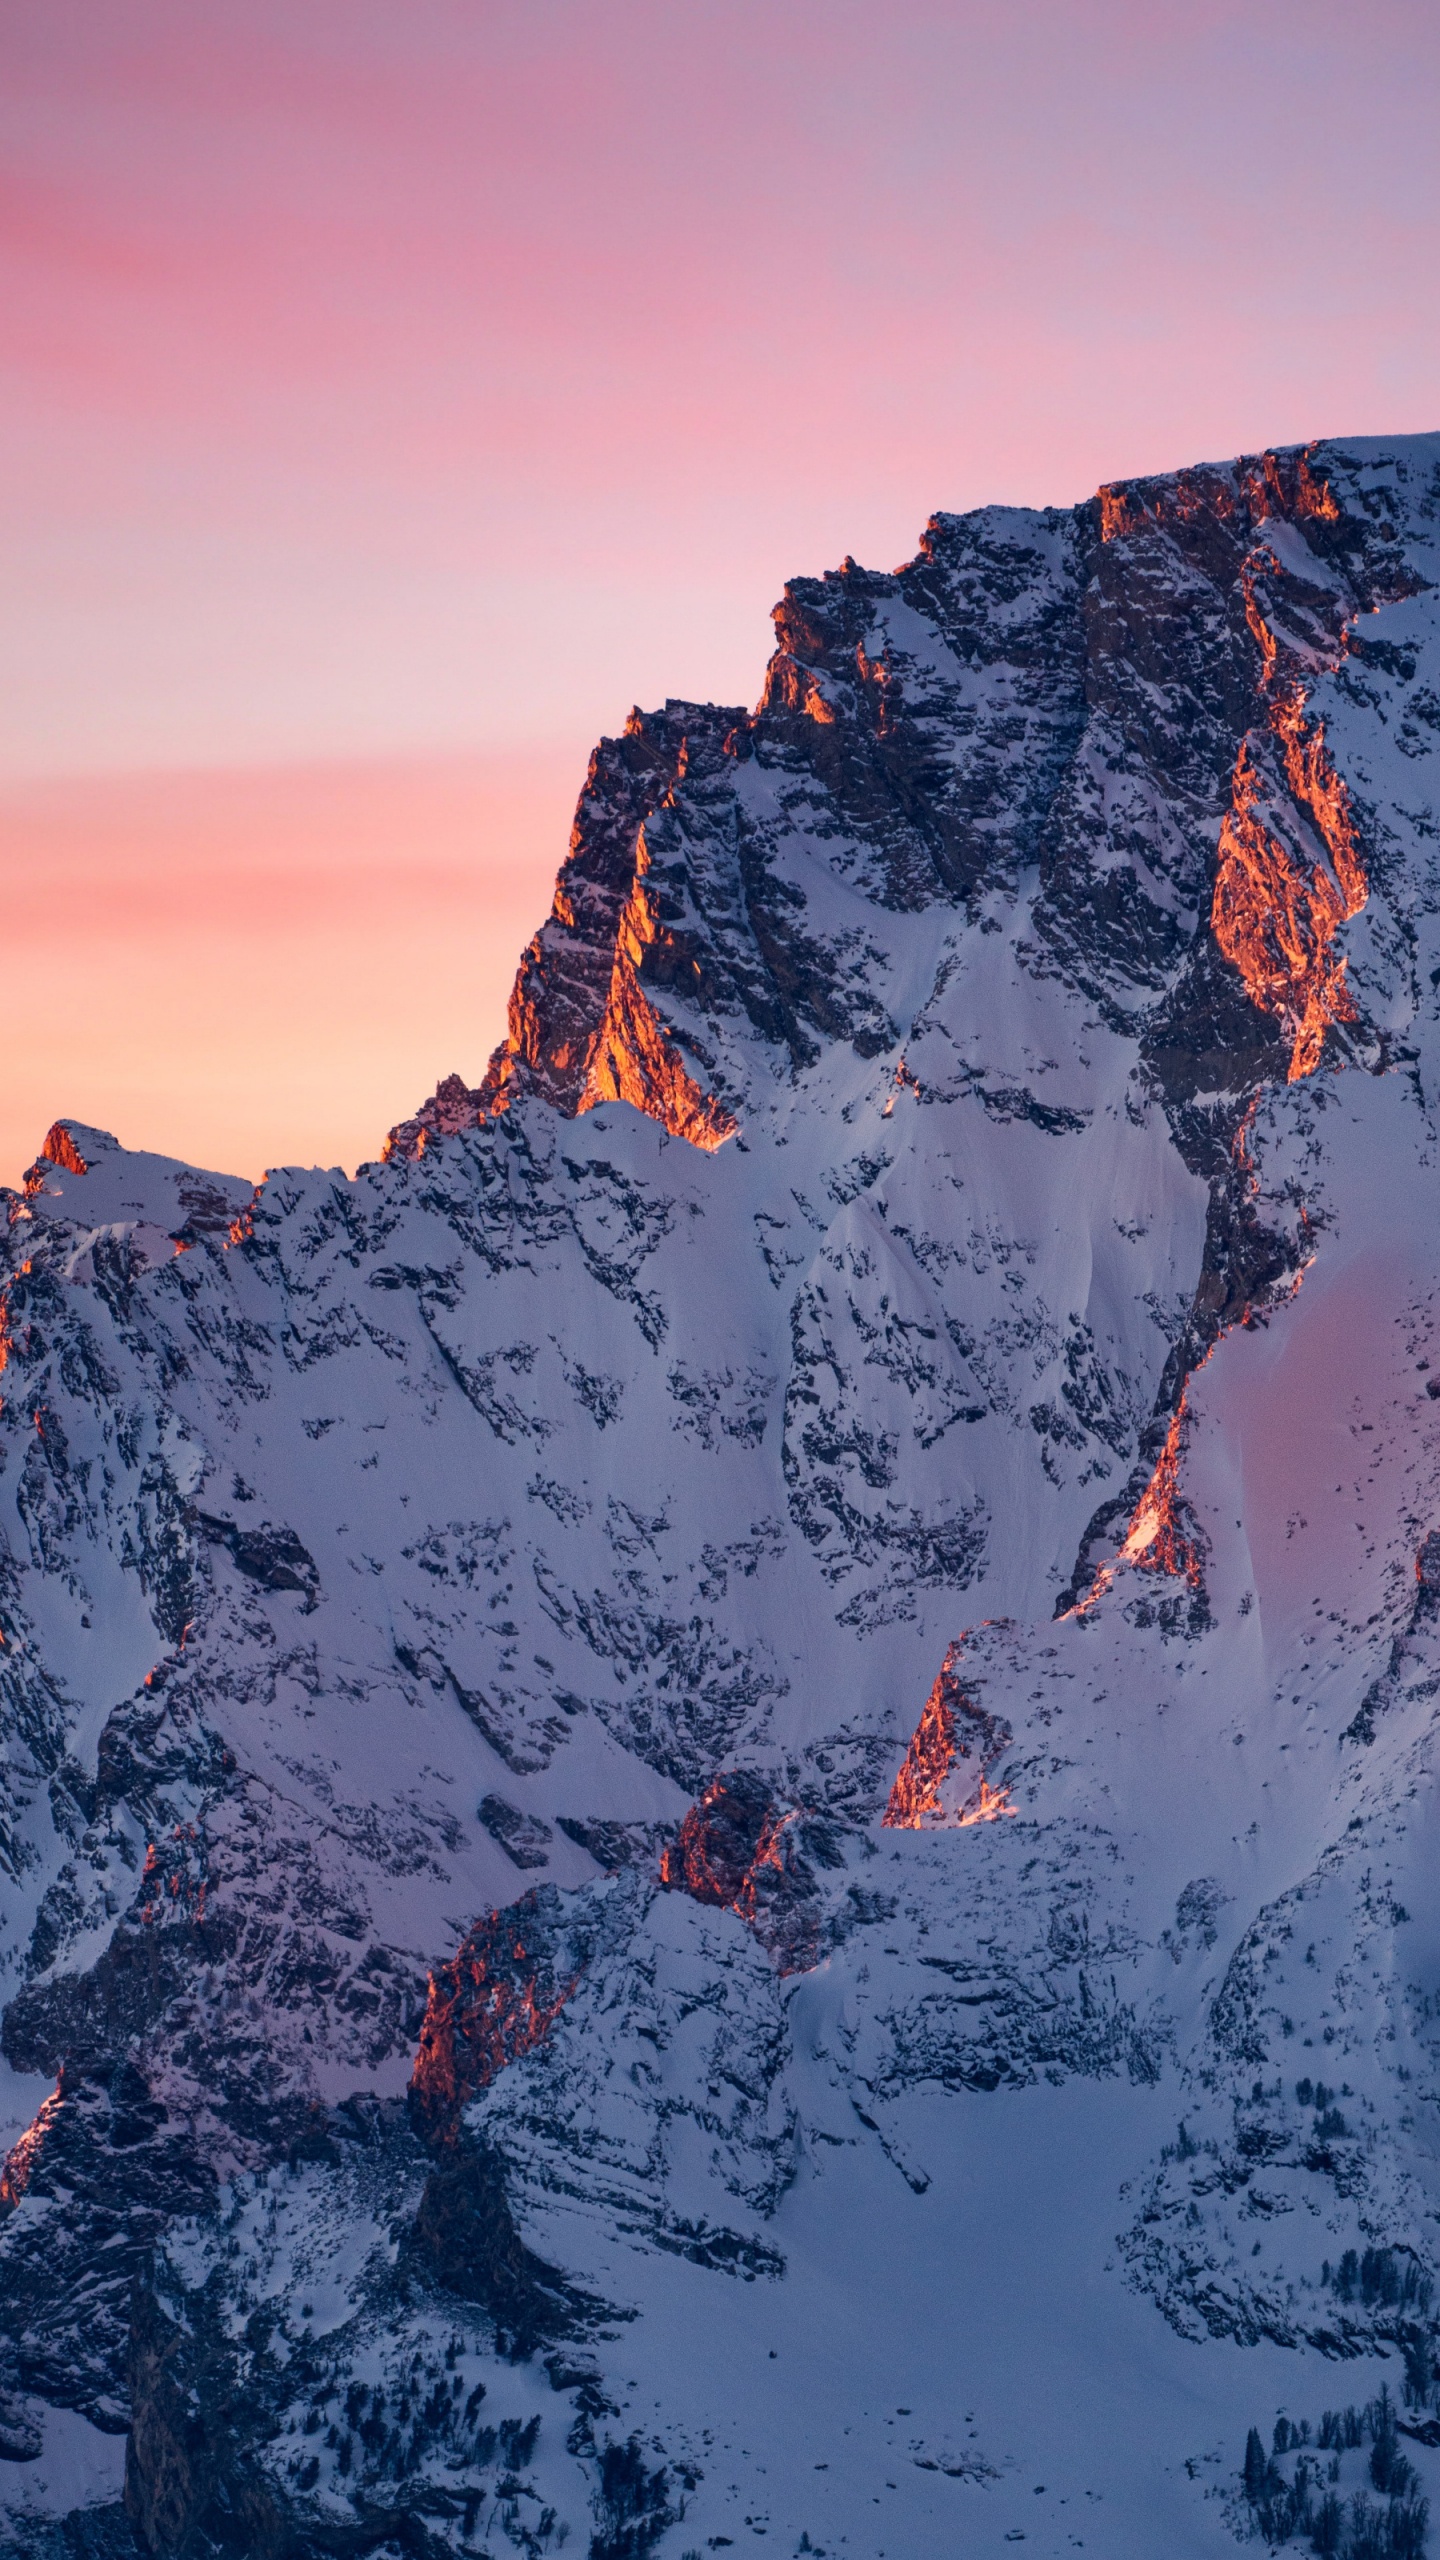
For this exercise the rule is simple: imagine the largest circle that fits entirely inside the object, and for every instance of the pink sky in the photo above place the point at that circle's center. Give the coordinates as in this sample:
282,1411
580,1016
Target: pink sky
394,393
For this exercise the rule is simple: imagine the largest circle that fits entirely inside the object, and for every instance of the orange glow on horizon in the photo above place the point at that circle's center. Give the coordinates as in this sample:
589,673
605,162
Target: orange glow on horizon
268,967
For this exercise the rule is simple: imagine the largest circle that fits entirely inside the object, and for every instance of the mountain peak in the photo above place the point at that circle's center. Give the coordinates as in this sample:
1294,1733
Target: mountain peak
624,1761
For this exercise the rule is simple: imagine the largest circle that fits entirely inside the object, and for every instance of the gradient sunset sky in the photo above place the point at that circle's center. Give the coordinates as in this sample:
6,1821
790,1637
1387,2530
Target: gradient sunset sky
397,390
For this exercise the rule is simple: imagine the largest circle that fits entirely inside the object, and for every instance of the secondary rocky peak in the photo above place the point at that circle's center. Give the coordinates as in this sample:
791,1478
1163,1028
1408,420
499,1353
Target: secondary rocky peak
582,1028
451,1107
57,1147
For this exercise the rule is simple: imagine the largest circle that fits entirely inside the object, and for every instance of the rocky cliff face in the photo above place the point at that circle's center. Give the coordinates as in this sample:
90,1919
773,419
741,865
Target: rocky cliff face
746,1729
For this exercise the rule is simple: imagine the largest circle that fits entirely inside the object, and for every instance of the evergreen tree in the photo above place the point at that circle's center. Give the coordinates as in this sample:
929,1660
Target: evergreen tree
1328,2528
1369,2530
1409,2527
1385,2450
1417,2373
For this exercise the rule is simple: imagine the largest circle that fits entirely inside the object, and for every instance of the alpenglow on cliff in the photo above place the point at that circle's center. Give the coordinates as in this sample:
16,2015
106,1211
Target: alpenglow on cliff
718,1825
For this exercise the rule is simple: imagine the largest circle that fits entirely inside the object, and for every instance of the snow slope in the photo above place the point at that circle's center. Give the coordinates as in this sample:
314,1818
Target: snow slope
725,1779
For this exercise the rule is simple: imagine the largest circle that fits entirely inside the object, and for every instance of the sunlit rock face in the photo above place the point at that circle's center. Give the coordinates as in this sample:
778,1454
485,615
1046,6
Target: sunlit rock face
717,1797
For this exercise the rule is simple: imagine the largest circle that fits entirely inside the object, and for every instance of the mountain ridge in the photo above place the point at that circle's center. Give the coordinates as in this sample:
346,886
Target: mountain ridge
763,1585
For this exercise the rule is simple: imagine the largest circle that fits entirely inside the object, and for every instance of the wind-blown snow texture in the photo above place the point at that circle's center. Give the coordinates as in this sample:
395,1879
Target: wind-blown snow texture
931,1312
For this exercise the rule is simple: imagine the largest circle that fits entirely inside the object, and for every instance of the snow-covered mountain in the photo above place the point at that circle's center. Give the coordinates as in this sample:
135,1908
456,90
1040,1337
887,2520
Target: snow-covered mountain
755,1727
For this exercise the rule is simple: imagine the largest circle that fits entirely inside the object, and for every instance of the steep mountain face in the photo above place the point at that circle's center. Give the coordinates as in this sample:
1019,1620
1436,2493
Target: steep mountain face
756,1725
